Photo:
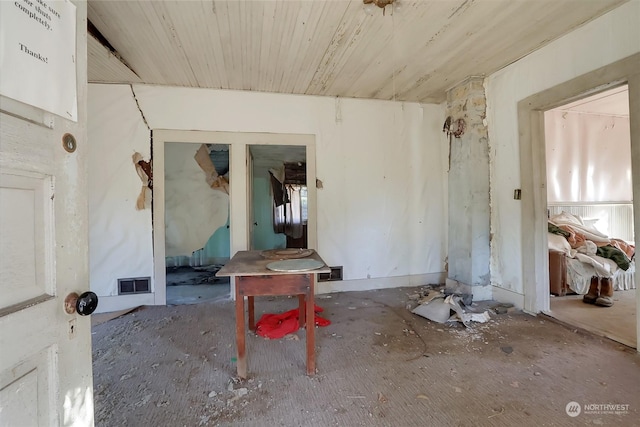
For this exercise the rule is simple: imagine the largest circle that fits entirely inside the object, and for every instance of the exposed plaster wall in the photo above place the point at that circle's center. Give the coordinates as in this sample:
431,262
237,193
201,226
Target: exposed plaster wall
120,242
613,36
193,210
469,209
382,211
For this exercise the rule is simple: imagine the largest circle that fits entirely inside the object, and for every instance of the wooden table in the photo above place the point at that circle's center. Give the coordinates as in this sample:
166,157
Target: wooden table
254,279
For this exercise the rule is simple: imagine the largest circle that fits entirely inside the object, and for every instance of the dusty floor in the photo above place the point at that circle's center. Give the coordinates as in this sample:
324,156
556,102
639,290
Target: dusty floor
378,364
617,322
187,285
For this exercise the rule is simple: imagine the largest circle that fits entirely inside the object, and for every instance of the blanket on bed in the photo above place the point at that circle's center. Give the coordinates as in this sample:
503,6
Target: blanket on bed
591,252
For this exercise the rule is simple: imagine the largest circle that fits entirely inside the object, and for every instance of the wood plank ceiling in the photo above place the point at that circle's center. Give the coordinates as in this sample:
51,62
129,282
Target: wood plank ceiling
326,48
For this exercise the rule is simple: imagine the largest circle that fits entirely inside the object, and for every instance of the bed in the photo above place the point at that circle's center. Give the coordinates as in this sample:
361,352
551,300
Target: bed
574,249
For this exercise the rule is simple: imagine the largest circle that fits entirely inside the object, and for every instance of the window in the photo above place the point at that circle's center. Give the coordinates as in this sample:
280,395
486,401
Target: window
303,203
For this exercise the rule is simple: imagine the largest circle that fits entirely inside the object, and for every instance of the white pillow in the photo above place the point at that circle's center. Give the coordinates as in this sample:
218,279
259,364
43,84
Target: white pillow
566,217
559,243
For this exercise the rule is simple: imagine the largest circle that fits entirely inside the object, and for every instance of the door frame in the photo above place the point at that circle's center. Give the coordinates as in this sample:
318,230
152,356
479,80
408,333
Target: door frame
535,261
239,216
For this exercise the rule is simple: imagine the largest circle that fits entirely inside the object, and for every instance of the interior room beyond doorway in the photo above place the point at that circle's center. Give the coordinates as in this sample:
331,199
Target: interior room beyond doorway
197,237
278,196
589,197
233,216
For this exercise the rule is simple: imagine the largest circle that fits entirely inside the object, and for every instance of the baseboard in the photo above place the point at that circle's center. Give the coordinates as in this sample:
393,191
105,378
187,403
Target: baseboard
379,283
108,304
479,292
507,295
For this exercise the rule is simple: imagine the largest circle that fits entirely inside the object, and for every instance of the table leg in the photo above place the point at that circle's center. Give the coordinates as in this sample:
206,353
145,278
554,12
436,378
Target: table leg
240,335
252,317
311,328
301,310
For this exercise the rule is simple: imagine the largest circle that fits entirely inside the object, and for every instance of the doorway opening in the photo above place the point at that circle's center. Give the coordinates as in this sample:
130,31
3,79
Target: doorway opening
590,212
196,212
233,219
278,196
534,214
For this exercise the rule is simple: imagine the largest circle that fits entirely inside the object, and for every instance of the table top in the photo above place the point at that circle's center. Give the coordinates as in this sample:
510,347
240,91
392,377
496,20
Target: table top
251,263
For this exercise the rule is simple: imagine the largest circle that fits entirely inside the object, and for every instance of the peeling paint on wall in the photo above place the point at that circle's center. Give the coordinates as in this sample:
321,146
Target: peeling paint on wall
215,181
193,212
144,171
469,210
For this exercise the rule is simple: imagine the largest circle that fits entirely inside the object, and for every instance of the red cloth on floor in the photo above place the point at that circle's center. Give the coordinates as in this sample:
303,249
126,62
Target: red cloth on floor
276,326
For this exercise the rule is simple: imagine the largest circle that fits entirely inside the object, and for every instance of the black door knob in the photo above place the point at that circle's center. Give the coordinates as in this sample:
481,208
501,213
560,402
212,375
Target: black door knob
84,305
87,303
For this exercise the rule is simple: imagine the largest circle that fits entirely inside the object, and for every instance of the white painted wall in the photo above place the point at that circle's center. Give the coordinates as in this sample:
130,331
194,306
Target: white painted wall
382,211
588,157
613,36
120,239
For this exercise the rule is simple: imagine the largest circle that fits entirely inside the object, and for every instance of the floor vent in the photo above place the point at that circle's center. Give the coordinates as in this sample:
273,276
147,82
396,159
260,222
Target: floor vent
139,285
336,274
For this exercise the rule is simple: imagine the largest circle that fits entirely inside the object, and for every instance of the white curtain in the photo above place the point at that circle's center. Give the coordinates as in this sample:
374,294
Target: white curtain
287,218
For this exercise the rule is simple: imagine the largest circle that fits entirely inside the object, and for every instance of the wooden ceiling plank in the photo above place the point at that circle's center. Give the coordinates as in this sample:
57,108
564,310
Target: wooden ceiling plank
154,38
263,45
181,19
431,25
257,22
224,19
371,35
381,63
247,10
215,61
287,43
484,41
275,62
110,69
370,63
321,33
268,18
466,27
238,47
472,46
335,54
304,61
297,46
492,50
105,17
195,45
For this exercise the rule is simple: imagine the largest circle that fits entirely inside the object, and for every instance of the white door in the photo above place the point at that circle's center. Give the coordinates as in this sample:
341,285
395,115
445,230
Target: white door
45,353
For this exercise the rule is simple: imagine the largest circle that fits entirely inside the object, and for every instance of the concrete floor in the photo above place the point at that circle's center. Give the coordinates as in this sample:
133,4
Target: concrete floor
377,365
617,322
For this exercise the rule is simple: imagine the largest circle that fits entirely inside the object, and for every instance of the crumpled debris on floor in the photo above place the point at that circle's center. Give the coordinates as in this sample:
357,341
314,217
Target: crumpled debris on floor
437,306
274,326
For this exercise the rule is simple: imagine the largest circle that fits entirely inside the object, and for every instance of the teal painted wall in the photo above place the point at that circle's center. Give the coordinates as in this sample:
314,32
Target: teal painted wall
263,235
219,244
